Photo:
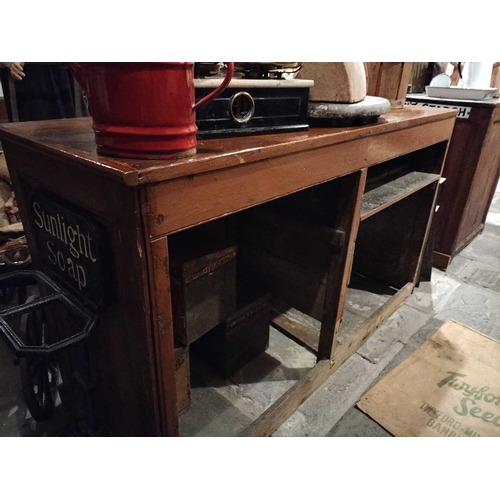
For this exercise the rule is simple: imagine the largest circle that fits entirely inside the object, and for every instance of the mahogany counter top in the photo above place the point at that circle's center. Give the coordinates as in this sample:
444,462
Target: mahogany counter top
74,139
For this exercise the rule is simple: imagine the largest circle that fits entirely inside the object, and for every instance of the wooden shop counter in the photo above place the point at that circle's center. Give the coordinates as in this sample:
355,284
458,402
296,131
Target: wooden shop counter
101,226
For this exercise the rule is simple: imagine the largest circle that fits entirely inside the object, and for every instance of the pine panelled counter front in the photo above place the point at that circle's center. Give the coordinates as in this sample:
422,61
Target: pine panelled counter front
342,202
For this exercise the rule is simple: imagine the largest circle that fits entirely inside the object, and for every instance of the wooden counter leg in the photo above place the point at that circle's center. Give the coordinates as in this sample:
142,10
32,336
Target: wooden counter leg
347,223
161,312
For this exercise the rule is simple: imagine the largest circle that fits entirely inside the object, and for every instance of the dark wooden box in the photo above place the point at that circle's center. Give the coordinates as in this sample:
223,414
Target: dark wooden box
242,336
203,283
182,379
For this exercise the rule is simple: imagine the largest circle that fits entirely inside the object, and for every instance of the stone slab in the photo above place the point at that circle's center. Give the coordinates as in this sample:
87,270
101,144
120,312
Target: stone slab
475,307
485,248
414,342
457,264
429,296
364,302
355,423
256,386
318,414
400,327
481,274
493,229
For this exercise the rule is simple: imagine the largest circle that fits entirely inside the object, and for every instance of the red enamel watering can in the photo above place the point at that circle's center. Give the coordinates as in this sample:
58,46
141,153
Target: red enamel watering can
143,110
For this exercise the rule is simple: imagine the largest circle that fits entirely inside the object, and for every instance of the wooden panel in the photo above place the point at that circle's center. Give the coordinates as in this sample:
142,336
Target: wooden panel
3,111
389,80
239,339
186,202
459,170
306,244
440,260
372,74
182,380
483,185
302,334
125,400
299,287
163,337
347,224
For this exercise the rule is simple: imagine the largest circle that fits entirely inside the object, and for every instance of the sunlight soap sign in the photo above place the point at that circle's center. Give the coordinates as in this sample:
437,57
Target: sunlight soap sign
71,245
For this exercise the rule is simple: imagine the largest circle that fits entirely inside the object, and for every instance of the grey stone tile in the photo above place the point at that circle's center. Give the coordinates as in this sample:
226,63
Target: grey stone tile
493,218
485,248
493,229
416,340
475,307
350,323
495,204
431,295
355,423
364,296
284,363
405,322
318,414
457,264
431,326
288,352
257,385
15,419
481,274
211,414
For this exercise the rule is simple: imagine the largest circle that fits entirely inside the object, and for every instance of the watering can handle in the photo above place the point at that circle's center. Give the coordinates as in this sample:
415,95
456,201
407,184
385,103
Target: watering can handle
219,89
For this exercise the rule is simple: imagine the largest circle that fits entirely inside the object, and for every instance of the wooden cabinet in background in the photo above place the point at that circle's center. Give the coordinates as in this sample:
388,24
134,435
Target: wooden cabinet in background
471,171
389,80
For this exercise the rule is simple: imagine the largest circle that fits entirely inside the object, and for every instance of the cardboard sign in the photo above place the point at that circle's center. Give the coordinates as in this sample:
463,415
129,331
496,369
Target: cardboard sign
448,387
71,246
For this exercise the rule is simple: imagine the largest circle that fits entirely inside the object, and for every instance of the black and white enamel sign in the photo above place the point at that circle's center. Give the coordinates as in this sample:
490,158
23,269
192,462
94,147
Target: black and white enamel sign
72,246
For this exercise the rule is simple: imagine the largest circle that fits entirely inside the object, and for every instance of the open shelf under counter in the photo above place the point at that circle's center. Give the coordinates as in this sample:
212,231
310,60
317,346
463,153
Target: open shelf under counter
393,191
364,298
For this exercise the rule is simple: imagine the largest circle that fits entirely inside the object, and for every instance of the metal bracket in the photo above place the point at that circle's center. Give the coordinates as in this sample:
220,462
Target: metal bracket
56,294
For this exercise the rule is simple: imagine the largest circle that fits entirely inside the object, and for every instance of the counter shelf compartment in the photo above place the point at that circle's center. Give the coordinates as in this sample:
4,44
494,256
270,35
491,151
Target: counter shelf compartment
386,261
396,179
